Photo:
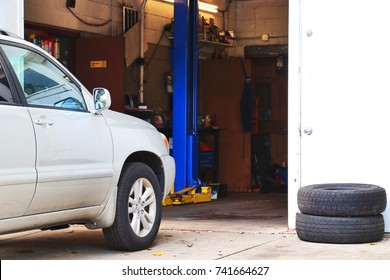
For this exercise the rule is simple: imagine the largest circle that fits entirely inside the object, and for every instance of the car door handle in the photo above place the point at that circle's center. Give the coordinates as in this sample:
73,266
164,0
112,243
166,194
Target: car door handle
43,120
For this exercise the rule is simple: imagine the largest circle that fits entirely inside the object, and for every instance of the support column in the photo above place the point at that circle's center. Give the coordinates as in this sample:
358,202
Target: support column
12,16
185,106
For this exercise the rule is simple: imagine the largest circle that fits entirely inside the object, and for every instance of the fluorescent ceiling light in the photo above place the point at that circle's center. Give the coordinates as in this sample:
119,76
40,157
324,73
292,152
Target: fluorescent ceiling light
208,7
202,6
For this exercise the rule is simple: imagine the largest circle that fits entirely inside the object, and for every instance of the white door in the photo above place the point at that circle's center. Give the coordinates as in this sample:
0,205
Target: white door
345,93
17,154
74,158
17,151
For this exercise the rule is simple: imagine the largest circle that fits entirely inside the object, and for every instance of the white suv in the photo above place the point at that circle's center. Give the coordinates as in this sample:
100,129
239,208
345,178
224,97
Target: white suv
66,159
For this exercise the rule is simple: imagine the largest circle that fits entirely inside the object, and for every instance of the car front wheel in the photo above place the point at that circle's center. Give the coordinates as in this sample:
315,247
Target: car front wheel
138,210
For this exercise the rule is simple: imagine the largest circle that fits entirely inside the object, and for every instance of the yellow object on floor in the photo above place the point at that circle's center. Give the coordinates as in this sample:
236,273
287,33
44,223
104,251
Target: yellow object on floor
188,195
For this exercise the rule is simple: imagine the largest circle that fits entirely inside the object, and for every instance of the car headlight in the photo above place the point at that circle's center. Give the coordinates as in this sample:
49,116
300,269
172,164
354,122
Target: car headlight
166,142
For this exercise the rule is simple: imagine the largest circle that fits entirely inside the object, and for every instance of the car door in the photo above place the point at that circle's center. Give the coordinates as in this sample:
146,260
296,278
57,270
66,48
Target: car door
74,146
17,151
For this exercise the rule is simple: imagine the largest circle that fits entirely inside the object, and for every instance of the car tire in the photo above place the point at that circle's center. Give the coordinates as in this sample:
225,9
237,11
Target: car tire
339,230
138,209
342,200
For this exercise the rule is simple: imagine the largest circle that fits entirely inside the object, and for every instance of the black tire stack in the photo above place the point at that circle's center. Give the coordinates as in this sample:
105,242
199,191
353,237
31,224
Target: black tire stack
341,213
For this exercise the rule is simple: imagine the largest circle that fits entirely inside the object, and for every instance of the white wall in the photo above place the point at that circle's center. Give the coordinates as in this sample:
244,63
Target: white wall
11,16
339,89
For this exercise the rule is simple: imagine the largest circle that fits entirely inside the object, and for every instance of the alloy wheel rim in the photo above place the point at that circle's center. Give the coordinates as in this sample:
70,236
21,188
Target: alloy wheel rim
142,207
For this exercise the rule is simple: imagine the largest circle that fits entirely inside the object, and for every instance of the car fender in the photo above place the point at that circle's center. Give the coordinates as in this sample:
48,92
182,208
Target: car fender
131,135
107,213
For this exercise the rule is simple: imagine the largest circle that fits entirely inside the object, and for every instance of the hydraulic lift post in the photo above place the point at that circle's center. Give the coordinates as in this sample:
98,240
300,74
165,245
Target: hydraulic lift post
185,107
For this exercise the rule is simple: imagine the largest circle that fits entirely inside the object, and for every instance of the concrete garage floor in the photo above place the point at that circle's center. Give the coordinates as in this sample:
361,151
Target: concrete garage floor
240,226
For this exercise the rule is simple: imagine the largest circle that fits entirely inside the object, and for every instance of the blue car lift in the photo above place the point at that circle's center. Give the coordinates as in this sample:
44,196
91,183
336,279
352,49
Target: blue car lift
187,187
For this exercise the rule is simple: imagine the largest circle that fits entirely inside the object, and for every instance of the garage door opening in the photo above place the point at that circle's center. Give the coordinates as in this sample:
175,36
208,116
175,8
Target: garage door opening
253,164
269,121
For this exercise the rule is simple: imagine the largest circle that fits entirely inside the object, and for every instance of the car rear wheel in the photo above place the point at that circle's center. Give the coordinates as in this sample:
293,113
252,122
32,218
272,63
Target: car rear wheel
138,210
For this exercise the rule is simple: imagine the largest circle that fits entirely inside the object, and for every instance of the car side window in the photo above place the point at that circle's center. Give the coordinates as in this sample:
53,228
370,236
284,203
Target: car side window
43,83
5,90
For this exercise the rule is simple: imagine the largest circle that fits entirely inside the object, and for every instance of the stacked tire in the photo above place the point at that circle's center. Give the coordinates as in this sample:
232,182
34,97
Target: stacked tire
341,213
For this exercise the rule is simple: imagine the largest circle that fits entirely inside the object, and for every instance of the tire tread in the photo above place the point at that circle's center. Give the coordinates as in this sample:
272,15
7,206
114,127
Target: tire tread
340,230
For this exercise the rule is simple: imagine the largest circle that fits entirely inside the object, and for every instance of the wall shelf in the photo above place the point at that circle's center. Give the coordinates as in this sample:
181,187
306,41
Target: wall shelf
204,43
207,43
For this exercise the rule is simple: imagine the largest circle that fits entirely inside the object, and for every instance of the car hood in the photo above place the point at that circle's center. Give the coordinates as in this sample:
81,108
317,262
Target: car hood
123,120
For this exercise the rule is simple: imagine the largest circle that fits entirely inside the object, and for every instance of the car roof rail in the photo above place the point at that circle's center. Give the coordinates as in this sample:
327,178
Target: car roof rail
6,33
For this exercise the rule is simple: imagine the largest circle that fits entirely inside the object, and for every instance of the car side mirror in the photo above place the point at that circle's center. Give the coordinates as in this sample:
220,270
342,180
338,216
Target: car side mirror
101,99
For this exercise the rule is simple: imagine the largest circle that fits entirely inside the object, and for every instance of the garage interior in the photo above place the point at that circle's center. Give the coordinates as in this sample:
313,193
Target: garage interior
240,154
241,149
